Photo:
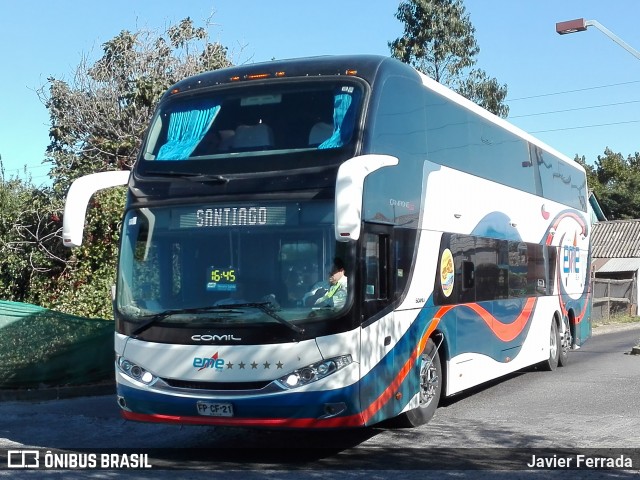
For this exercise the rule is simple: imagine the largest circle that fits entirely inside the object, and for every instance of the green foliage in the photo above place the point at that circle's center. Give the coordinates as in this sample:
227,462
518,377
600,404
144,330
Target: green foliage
84,287
438,38
614,179
439,41
30,241
592,176
616,320
484,91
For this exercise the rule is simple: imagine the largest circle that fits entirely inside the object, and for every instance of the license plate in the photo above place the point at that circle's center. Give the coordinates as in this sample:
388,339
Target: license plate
215,409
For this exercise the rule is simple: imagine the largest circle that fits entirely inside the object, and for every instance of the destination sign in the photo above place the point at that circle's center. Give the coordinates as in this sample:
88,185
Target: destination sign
230,216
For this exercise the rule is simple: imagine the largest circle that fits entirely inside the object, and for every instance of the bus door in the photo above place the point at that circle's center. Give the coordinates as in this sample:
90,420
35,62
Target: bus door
379,330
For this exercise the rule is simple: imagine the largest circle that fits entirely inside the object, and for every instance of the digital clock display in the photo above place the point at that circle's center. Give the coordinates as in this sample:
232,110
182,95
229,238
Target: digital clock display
222,279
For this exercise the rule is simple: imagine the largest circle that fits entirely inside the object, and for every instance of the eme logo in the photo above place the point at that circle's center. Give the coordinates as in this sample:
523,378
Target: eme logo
208,362
571,259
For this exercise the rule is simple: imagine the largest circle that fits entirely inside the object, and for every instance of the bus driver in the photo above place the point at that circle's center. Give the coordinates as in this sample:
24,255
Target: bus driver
332,294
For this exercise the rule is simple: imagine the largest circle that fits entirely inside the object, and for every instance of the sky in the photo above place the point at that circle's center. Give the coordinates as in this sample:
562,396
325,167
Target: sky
579,93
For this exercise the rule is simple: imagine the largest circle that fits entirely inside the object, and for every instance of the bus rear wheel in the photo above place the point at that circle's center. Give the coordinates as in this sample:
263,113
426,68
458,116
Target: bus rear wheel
430,389
565,344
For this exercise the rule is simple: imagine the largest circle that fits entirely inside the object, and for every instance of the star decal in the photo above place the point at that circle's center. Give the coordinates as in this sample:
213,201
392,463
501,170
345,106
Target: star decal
254,365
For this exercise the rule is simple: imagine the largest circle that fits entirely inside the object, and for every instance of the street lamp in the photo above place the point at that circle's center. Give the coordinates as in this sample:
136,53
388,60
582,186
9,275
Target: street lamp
580,25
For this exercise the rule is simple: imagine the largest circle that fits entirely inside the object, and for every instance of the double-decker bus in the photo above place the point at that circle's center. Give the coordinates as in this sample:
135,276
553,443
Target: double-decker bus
333,242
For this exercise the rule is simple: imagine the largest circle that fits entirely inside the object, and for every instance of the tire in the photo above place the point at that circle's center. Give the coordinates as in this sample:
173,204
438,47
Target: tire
565,345
554,348
430,390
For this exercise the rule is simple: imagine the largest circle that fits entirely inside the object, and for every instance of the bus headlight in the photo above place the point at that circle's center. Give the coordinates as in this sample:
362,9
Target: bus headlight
314,372
135,371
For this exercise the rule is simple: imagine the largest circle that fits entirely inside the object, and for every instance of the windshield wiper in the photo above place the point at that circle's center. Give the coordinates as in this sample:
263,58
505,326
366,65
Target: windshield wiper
267,308
158,317
191,177
203,177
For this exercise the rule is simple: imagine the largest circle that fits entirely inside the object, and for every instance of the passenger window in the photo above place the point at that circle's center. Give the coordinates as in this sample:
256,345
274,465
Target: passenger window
491,273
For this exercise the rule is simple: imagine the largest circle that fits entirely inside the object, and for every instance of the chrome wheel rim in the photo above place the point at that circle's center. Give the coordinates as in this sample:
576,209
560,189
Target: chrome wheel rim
428,380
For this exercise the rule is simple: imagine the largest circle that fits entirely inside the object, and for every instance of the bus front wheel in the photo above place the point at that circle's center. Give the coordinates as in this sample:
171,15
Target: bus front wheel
430,389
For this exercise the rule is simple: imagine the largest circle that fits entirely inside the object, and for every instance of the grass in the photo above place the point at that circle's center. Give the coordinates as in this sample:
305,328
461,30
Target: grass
615,320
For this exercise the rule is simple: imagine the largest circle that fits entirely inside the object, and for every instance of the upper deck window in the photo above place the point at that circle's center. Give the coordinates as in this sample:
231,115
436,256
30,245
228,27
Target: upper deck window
255,119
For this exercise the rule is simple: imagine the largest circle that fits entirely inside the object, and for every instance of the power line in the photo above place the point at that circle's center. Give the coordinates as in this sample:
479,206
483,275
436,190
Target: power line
572,91
575,109
585,126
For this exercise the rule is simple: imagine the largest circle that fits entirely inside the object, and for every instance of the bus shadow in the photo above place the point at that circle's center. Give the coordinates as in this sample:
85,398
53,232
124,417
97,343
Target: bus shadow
249,448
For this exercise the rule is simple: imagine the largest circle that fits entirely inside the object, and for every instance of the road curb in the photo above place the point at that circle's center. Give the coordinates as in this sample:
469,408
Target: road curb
57,393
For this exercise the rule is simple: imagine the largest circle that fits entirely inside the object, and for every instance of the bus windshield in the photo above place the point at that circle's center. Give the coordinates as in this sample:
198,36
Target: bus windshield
248,119
226,265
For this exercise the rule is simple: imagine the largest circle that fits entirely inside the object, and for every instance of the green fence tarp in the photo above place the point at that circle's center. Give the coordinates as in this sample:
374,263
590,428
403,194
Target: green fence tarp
41,348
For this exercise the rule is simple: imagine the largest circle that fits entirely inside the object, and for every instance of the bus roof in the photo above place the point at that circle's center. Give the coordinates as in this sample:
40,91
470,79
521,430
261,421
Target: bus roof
367,67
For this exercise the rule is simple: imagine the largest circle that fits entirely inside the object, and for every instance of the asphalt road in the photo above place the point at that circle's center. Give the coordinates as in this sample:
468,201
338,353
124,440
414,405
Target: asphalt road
590,407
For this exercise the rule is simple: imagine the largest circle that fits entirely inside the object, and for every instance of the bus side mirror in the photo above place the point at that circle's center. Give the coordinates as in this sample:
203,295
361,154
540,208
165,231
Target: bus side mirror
75,206
349,191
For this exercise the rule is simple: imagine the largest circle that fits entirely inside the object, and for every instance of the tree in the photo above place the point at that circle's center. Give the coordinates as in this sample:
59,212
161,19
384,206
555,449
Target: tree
97,124
98,120
83,286
439,41
29,236
614,179
619,178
